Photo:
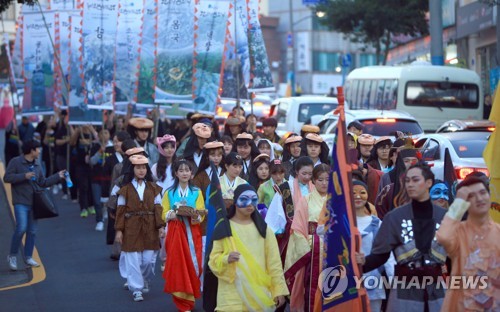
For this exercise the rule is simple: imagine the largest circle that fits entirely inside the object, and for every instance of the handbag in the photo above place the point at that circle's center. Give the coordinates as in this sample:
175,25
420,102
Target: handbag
43,204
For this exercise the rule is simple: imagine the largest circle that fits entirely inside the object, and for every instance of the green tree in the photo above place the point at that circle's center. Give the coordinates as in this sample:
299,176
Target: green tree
376,22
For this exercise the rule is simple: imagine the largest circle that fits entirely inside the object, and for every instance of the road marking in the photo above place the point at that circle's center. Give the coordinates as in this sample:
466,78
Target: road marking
38,273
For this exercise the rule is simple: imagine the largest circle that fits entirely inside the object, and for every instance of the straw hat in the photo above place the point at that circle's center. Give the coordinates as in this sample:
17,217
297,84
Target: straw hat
141,123
138,160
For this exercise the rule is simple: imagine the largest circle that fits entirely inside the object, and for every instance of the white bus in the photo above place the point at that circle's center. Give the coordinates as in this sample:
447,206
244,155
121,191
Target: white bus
431,94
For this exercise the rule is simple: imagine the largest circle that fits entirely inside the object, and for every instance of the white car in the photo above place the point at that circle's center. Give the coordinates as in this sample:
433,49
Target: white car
466,151
377,123
293,112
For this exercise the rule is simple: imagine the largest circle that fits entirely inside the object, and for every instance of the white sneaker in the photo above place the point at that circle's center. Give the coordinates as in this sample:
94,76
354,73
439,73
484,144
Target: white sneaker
99,226
137,296
12,260
125,286
31,262
55,190
65,196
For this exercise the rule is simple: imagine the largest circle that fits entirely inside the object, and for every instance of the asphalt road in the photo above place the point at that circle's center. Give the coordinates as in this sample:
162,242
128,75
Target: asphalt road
80,276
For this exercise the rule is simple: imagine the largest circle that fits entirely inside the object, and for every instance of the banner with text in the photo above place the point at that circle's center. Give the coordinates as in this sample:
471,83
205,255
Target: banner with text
210,32
127,51
38,63
98,40
175,52
261,78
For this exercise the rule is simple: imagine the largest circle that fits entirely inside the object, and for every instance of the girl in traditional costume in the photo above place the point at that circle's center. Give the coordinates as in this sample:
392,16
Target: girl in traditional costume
183,209
259,172
267,190
291,153
212,152
230,180
245,146
139,226
317,149
247,264
162,171
304,252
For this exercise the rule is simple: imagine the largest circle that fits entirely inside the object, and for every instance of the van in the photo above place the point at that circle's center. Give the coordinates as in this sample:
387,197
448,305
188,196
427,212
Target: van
293,112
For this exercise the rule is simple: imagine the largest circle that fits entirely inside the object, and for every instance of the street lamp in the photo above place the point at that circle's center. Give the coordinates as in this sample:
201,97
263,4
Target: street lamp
291,44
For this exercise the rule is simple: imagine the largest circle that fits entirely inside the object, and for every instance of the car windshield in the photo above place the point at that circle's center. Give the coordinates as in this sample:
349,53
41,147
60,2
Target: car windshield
380,127
307,110
469,148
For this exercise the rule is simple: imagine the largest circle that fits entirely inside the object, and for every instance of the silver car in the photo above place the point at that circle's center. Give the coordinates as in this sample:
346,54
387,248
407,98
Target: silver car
466,151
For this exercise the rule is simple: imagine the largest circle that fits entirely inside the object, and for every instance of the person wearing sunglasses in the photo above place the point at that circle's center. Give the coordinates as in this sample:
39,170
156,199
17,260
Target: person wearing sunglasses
254,250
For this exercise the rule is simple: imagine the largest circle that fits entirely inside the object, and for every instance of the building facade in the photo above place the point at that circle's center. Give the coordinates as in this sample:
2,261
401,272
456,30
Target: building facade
319,58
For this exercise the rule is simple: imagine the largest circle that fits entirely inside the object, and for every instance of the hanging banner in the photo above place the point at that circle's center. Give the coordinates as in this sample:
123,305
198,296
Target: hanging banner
64,53
17,55
261,79
38,62
127,51
12,77
239,33
233,84
98,42
61,4
147,72
175,51
210,29
79,113
58,101
35,8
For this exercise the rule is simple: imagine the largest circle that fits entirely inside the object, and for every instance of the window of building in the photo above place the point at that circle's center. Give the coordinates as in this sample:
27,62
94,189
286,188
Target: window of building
325,61
368,59
317,25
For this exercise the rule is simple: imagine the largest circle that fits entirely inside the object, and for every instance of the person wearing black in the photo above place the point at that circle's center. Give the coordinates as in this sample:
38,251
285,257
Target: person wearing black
140,130
269,126
409,232
61,149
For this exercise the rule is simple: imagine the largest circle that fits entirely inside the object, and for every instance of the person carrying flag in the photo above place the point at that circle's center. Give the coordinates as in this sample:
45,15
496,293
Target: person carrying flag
248,265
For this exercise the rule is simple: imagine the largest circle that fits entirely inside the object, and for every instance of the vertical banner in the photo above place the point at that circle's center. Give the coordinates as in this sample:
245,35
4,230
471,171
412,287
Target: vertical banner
233,84
98,40
79,113
239,33
58,101
64,53
38,62
17,52
261,78
147,71
209,32
175,52
127,51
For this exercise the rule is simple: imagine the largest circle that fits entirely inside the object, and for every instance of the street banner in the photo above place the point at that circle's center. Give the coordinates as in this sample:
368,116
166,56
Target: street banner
127,51
147,71
239,33
58,101
38,63
98,41
490,152
79,113
261,79
175,52
233,84
61,4
64,27
17,52
209,32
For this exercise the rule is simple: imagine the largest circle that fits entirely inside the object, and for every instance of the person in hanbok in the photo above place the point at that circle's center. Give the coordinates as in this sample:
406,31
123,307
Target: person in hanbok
291,152
473,247
287,198
162,171
303,256
139,226
266,147
267,189
212,152
140,130
183,242
409,232
259,172
247,264
230,180
316,148
245,146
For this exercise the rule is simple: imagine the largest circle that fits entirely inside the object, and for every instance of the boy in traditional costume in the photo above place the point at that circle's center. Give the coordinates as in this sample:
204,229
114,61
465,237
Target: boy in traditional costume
139,225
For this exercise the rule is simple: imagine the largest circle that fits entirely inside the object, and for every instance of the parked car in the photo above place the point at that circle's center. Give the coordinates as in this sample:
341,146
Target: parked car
466,151
261,107
466,125
293,112
377,123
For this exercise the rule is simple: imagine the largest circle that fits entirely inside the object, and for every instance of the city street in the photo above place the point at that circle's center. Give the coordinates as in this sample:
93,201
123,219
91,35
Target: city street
80,276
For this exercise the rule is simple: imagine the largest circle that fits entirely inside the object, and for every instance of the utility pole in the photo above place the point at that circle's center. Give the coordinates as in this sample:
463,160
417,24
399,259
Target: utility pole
436,31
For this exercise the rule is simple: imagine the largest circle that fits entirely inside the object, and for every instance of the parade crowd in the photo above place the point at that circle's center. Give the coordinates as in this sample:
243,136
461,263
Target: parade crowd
149,194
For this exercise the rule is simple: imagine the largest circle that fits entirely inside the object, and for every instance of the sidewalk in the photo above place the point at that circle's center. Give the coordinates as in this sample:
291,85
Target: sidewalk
9,278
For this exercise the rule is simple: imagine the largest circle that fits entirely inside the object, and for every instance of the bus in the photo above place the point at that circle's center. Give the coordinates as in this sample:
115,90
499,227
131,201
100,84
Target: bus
431,94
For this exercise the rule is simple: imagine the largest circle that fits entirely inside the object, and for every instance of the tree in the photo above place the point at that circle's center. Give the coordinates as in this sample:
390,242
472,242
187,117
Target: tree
376,22
4,4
